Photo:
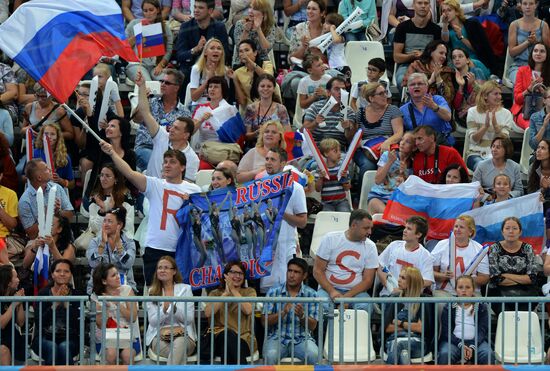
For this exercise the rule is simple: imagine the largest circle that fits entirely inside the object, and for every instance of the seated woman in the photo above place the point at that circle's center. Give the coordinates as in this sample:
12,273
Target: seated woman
466,249
502,186
500,162
113,246
513,267
523,33
538,123
268,108
306,31
63,174
466,85
393,169
106,282
531,79
8,89
9,284
6,123
468,327
150,67
253,162
454,174
539,174
171,326
66,327
433,63
9,173
227,318
488,119
258,27
211,63
346,7
406,330
468,34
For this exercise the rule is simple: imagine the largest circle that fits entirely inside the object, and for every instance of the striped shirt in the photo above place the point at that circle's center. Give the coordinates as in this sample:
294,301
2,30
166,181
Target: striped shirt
332,119
332,188
380,128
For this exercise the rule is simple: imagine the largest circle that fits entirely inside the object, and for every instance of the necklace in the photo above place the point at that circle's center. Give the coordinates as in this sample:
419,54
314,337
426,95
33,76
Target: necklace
261,120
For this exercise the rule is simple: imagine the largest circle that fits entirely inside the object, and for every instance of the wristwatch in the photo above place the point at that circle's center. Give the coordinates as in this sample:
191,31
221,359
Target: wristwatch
436,109
461,37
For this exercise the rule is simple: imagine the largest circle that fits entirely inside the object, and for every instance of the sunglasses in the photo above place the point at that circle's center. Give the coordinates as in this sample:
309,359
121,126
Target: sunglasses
169,83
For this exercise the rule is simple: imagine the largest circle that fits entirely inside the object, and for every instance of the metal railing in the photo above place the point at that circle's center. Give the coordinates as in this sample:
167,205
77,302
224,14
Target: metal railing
521,341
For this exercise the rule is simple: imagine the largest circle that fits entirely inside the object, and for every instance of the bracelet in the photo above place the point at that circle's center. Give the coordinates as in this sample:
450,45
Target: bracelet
34,251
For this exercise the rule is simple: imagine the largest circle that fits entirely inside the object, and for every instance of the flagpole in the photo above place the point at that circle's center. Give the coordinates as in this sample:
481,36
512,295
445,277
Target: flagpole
84,124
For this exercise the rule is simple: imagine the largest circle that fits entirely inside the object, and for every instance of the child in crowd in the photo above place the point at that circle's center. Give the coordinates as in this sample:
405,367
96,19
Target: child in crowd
336,50
463,340
375,70
333,191
103,72
313,87
502,186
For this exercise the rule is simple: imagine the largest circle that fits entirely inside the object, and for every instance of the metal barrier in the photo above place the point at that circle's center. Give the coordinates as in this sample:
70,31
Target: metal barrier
521,341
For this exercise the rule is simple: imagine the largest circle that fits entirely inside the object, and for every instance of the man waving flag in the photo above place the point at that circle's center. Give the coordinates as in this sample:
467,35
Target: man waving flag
57,42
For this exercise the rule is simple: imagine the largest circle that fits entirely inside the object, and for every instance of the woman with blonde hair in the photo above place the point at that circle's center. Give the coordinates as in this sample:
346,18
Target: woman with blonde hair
406,330
210,63
63,174
488,119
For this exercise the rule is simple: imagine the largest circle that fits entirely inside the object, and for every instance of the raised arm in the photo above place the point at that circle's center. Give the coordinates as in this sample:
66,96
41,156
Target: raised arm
136,178
144,108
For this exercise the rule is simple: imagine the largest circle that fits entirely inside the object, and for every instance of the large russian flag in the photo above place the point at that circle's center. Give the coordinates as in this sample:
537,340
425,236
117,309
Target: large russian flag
527,208
440,204
57,42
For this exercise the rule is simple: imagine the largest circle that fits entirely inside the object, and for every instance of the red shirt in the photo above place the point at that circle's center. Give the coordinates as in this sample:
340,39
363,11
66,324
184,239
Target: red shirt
423,166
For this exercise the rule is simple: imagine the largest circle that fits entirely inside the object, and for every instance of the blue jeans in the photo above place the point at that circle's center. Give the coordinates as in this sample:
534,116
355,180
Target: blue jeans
472,161
60,351
363,163
143,154
339,205
398,350
356,36
449,349
361,306
306,350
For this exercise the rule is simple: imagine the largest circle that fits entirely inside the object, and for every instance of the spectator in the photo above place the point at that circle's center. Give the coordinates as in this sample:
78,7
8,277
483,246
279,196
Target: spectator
379,121
9,180
258,26
530,81
468,328
356,276
369,16
293,337
312,87
6,124
538,124
394,12
229,323
524,33
407,253
8,89
113,246
512,266
253,65
237,11
412,326
393,168
433,63
488,119
336,50
132,9
39,175
465,84
222,178
333,125
412,36
333,190
8,215
296,11
107,282
375,70
63,168
66,315
427,110
466,250
268,108
500,162
502,186
60,243
467,34
211,63
165,197
9,287
171,328
307,30
150,68
165,108
253,162
193,35
103,73
182,12
177,138
454,174
539,174
431,158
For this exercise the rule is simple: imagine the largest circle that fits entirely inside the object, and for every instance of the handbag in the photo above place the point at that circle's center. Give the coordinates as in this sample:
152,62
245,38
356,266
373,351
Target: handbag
167,333
15,244
216,152
373,32
83,241
533,102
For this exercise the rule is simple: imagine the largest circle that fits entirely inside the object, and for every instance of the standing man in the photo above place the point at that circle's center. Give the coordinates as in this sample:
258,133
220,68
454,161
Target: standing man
347,261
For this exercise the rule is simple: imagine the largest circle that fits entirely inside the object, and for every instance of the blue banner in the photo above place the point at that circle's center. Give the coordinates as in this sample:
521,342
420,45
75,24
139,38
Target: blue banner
232,224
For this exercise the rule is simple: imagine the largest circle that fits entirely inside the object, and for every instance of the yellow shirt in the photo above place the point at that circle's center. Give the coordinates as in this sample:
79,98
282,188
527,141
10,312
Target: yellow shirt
245,78
8,201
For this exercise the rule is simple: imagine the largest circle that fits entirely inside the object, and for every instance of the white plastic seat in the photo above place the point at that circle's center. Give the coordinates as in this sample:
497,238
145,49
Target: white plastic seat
327,221
505,80
156,358
467,141
368,182
298,115
187,101
249,359
204,177
523,328
356,326
358,54
526,152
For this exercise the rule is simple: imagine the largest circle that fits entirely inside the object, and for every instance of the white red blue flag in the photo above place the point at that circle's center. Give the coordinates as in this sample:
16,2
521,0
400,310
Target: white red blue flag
41,268
149,39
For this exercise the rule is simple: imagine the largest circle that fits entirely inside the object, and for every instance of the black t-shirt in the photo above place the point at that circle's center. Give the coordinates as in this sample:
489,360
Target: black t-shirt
416,38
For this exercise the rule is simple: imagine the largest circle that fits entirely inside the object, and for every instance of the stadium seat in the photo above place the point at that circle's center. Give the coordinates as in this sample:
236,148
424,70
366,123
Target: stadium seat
327,221
187,100
526,152
519,331
204,178
358,54
507,82
298,115
356,328
83,211
368,182
156,358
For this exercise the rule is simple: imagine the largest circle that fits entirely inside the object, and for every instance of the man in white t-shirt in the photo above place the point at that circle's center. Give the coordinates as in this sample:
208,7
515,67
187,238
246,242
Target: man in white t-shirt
165,199
295,216
177,138
347,261
407,253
